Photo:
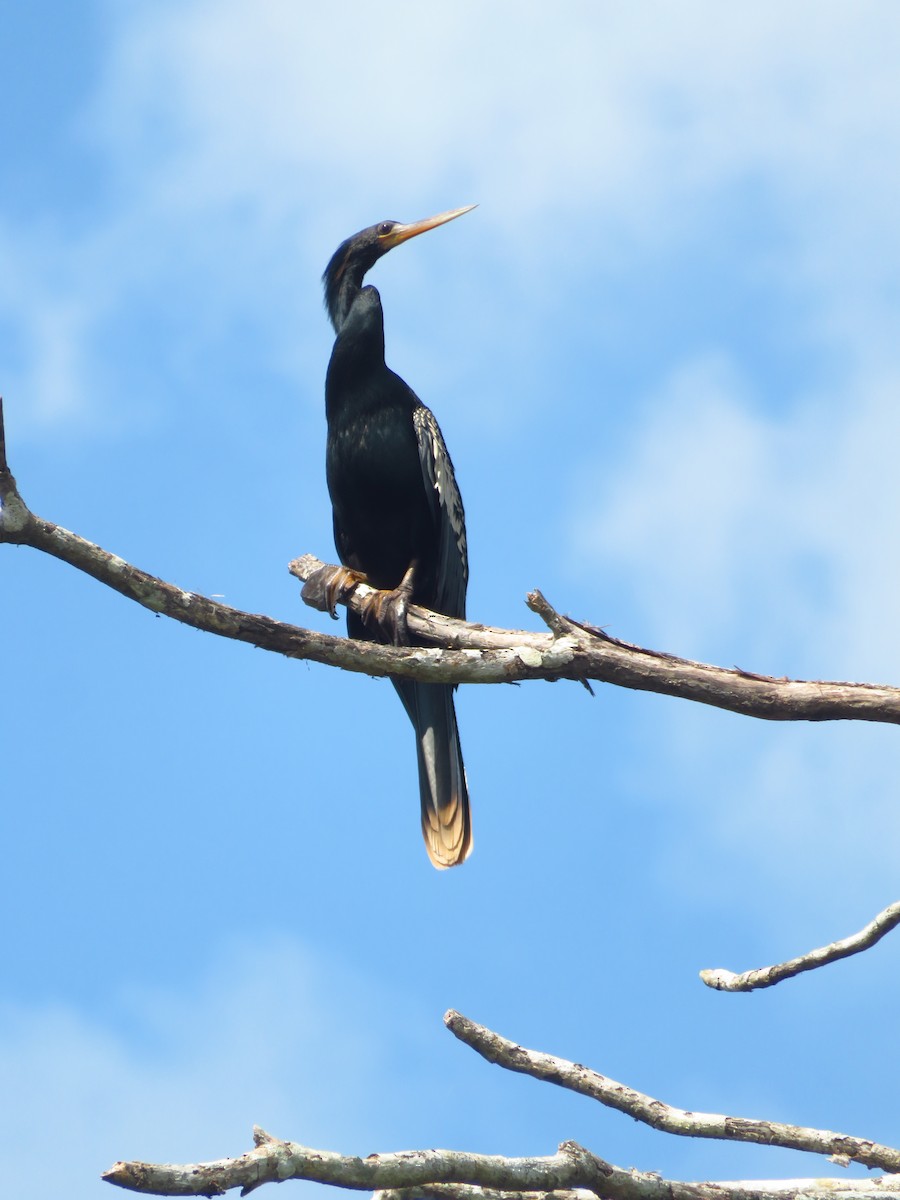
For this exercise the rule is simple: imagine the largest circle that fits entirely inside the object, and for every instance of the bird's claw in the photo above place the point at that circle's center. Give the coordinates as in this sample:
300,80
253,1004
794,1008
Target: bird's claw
388,610
341,583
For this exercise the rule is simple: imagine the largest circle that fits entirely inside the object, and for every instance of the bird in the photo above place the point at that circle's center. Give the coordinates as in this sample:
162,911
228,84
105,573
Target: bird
398,516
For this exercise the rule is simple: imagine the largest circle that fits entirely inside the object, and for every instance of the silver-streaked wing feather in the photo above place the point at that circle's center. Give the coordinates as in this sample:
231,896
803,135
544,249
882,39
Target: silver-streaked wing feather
437,474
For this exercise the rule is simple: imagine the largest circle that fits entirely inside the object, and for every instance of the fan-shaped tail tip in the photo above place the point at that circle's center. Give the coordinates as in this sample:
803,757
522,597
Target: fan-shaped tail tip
448,842
443,789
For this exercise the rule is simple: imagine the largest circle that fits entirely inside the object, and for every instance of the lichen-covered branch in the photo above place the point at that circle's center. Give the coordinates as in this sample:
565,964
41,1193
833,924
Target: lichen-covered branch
576,1078
643,1186
575,650
573,1173
470,654
273,1161
455,1175
762,977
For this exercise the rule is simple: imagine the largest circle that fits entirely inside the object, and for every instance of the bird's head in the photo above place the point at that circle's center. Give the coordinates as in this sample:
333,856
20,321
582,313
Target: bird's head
358,254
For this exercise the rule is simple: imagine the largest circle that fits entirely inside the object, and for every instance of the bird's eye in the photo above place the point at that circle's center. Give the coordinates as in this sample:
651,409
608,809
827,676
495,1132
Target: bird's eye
385,228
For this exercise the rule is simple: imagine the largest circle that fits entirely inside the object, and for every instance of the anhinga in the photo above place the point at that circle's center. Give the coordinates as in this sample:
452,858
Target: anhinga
398,515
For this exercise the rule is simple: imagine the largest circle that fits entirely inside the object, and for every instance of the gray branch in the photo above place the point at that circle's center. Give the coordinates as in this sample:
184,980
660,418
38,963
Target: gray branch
576,1078
727,981
573,1173
643,1186
454,651
566,1175
273,1161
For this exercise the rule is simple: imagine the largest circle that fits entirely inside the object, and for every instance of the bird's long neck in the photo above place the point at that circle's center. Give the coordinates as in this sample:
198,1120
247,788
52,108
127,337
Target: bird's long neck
362,329
358,355
343,281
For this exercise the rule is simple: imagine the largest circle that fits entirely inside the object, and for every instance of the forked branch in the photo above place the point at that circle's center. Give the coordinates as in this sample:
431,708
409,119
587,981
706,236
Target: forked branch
454,1175
454,651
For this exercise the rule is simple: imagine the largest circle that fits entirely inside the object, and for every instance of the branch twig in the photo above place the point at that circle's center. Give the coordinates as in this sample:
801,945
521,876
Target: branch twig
724,980
576,1078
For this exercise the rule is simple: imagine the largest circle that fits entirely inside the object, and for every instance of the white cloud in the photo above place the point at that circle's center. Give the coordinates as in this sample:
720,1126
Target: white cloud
183,1076
765,541
674,518
538,112
47,320
240,145
772,534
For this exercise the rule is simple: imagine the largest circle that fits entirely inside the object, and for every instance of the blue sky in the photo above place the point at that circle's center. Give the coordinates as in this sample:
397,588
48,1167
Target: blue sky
663,352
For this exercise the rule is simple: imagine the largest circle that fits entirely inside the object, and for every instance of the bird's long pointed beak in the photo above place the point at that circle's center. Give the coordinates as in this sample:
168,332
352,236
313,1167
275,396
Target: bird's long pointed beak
402,233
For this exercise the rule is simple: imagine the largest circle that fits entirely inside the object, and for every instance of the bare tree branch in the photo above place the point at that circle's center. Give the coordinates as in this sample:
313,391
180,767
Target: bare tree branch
477,654
573,1173
273,1161
724,980
654,1187
589,653
576,1078
455,1175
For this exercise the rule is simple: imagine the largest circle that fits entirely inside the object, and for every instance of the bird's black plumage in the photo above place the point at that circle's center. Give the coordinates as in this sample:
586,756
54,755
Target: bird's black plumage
398,514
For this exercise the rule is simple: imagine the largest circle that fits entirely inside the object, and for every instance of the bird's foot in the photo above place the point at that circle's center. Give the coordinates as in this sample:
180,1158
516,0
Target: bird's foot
388,610
343,580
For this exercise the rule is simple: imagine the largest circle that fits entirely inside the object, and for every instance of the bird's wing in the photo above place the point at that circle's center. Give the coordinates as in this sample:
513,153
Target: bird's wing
440,482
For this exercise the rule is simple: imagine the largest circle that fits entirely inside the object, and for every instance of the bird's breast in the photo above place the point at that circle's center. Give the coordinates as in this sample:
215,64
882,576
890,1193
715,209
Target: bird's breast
382,517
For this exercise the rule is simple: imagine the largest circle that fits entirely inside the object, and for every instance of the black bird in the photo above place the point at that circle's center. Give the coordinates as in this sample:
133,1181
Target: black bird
398,515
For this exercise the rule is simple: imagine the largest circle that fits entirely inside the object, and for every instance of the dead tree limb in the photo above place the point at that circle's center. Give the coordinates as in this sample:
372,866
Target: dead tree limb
576,650
273,1161
476,653
724,980
454,1175
654,1187
573,1173
664,1117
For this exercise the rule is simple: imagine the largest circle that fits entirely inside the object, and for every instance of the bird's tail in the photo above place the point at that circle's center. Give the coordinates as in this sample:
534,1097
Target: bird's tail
446,822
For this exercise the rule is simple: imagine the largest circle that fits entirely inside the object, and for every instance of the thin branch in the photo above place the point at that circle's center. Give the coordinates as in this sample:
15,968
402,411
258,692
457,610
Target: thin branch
727,981
576,1078
476,654
573,1173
